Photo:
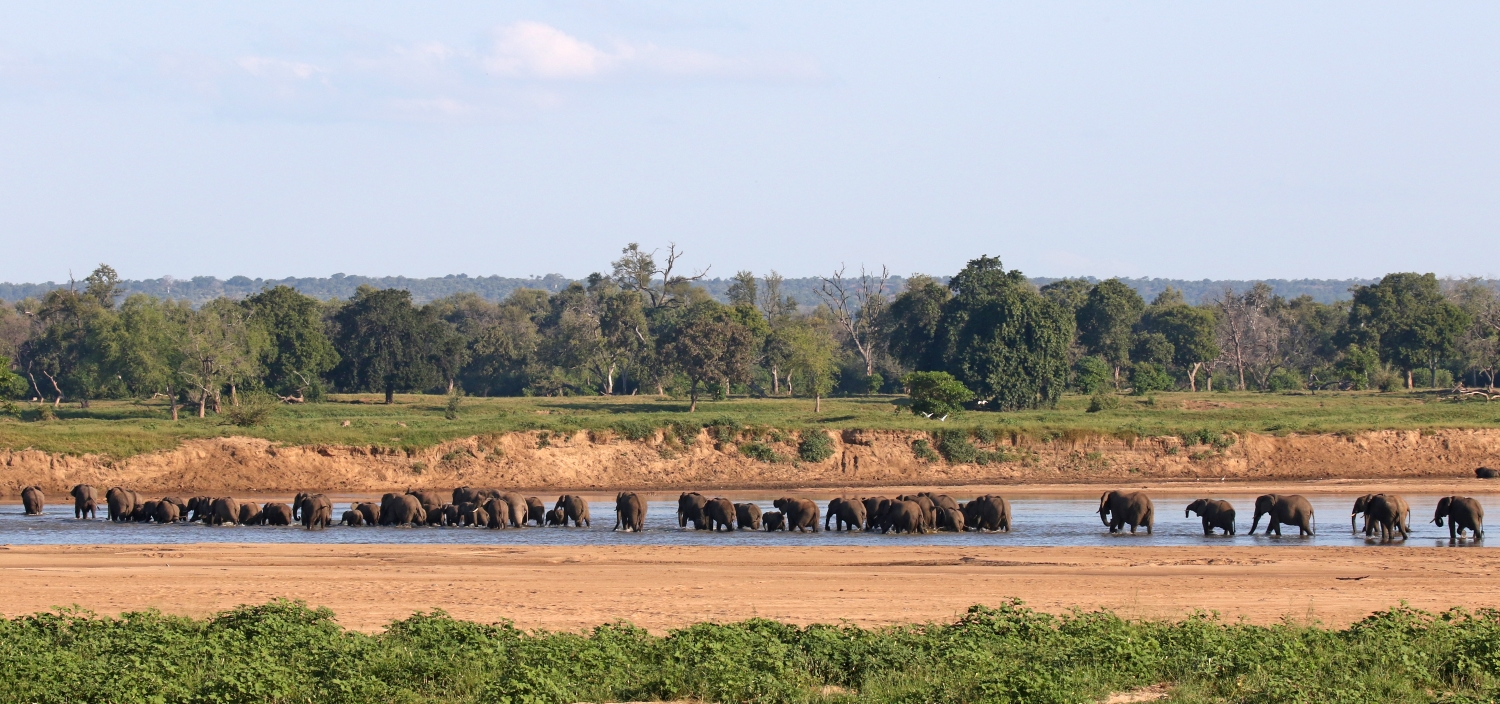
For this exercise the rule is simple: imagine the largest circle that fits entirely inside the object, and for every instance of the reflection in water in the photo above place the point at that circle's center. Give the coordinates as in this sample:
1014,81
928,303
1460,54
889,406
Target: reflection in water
1039,522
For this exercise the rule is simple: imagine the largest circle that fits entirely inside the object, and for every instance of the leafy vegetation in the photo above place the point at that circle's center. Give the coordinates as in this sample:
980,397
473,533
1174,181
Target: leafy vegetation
286,652
815,446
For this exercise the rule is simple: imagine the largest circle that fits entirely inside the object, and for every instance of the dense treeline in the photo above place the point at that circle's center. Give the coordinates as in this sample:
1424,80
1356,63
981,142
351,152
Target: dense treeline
986,336
285,652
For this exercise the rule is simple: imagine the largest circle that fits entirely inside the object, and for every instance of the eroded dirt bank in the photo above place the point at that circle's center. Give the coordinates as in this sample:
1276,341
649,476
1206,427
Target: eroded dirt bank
567,588
584,461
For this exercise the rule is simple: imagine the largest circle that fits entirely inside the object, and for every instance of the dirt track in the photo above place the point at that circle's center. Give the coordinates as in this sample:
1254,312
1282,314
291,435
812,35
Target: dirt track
663,587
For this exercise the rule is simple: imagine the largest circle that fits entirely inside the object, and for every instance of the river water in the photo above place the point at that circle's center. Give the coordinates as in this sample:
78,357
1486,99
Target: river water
1037,522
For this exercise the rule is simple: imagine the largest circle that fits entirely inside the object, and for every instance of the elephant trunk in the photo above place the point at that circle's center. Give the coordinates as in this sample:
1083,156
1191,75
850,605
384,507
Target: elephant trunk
1256,522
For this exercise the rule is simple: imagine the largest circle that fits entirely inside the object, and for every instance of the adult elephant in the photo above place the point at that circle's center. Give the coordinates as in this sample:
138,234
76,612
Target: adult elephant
903,517
873,506
517,505
201,508
801,514
250,513
747,516
430,500
297,504
575,508
941,501
690,510
276,514
84,503
317,512
1391,514
720,514
1486,473
630,512
497,513
1119,508
145,511
1361,506
1291,509
402,510
988,513
1215,514
1463,513
471,495
536,511
33,500
121,504
929,509
951,519
182,507
166,512
224,510
370,512
847,514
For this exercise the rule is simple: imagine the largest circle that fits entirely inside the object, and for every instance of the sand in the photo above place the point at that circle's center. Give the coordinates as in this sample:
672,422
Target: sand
662,587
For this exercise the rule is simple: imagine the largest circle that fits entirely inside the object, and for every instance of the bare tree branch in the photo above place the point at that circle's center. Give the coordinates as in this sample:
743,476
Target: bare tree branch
855,306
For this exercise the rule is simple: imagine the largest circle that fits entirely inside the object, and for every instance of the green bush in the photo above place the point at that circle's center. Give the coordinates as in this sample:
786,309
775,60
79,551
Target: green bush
1147,377
1103,402
1091,375
1285,380
955,447
254,409
759,451
724,429
923,451
815,446
936,393
1422,379
635,430
983,434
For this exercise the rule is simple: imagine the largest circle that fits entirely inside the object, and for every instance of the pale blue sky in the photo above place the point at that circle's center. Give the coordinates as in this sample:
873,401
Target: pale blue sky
1191,140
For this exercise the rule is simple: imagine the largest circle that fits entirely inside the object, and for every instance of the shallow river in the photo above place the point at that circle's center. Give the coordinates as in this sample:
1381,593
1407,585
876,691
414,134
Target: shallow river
1037,522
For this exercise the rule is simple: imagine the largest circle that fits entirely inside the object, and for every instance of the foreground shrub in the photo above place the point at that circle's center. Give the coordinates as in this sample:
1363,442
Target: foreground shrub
286,652
815,446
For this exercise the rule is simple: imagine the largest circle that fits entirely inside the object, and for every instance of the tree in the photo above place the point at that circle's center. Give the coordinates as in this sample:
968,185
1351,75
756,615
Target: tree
743,291
914,323
11,383
103,285
772,303
386,343
145,349
1249,333
811,360
1479,346
297,352
708,344
219,347
1007,342
1071,294
503,357
1410,319
1105,322
934,393
856,305
1191,332
636,270
64,350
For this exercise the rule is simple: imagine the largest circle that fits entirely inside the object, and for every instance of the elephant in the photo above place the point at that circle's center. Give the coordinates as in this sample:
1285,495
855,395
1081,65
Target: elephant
429,500
401,510
33,500
497,513
720,514
557,517
438,516
849,514
370,511
451,515
517,505
469,514
951,519
872,509
202,508
317,512
941,501
1361,505
575,508
121,504
144,511
276,514
773,521
1118,508
1215,514
297,504
1291,509
224,510
801,514
181,505
690,509
987,513
352,518
536,511
470,495
904,516
1391,513
84,504
747,516
929,509
166,512
630,512
1463,513
1486,473
250,513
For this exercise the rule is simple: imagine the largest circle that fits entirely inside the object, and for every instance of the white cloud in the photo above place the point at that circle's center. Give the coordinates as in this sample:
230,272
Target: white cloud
533,49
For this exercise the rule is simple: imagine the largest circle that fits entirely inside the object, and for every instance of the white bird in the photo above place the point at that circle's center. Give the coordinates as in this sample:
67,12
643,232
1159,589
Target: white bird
929,415
944,418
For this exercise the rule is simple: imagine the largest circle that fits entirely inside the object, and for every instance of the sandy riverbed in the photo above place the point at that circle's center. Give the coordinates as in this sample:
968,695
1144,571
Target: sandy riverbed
662,587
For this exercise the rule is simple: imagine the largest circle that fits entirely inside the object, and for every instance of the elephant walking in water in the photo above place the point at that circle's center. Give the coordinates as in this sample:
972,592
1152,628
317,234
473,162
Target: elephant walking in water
1463,513
1215,514
1291,509
575,508
84,503
747,516
630,512
1118,508
1389,512
33,500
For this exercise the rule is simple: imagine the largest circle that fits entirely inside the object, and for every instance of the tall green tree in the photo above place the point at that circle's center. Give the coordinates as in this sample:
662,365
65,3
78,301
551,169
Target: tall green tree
914,323
811,359
1411,321
63,358
1106,322
1192,333
385,343
709,345
743,292
145,348
1009,343
220,349
297,352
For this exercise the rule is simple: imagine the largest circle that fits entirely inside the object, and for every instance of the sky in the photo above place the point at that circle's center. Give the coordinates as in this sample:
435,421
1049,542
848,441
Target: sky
1176,139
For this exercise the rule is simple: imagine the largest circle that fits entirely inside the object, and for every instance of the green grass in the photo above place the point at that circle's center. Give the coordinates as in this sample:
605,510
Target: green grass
286,652
122,428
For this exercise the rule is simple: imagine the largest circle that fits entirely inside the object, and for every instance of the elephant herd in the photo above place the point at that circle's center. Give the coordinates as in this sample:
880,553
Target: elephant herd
924,512
910,513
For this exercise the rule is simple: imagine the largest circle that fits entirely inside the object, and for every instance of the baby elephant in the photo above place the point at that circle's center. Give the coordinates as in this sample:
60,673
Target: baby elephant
353,518
1215,514
557,517
773,520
